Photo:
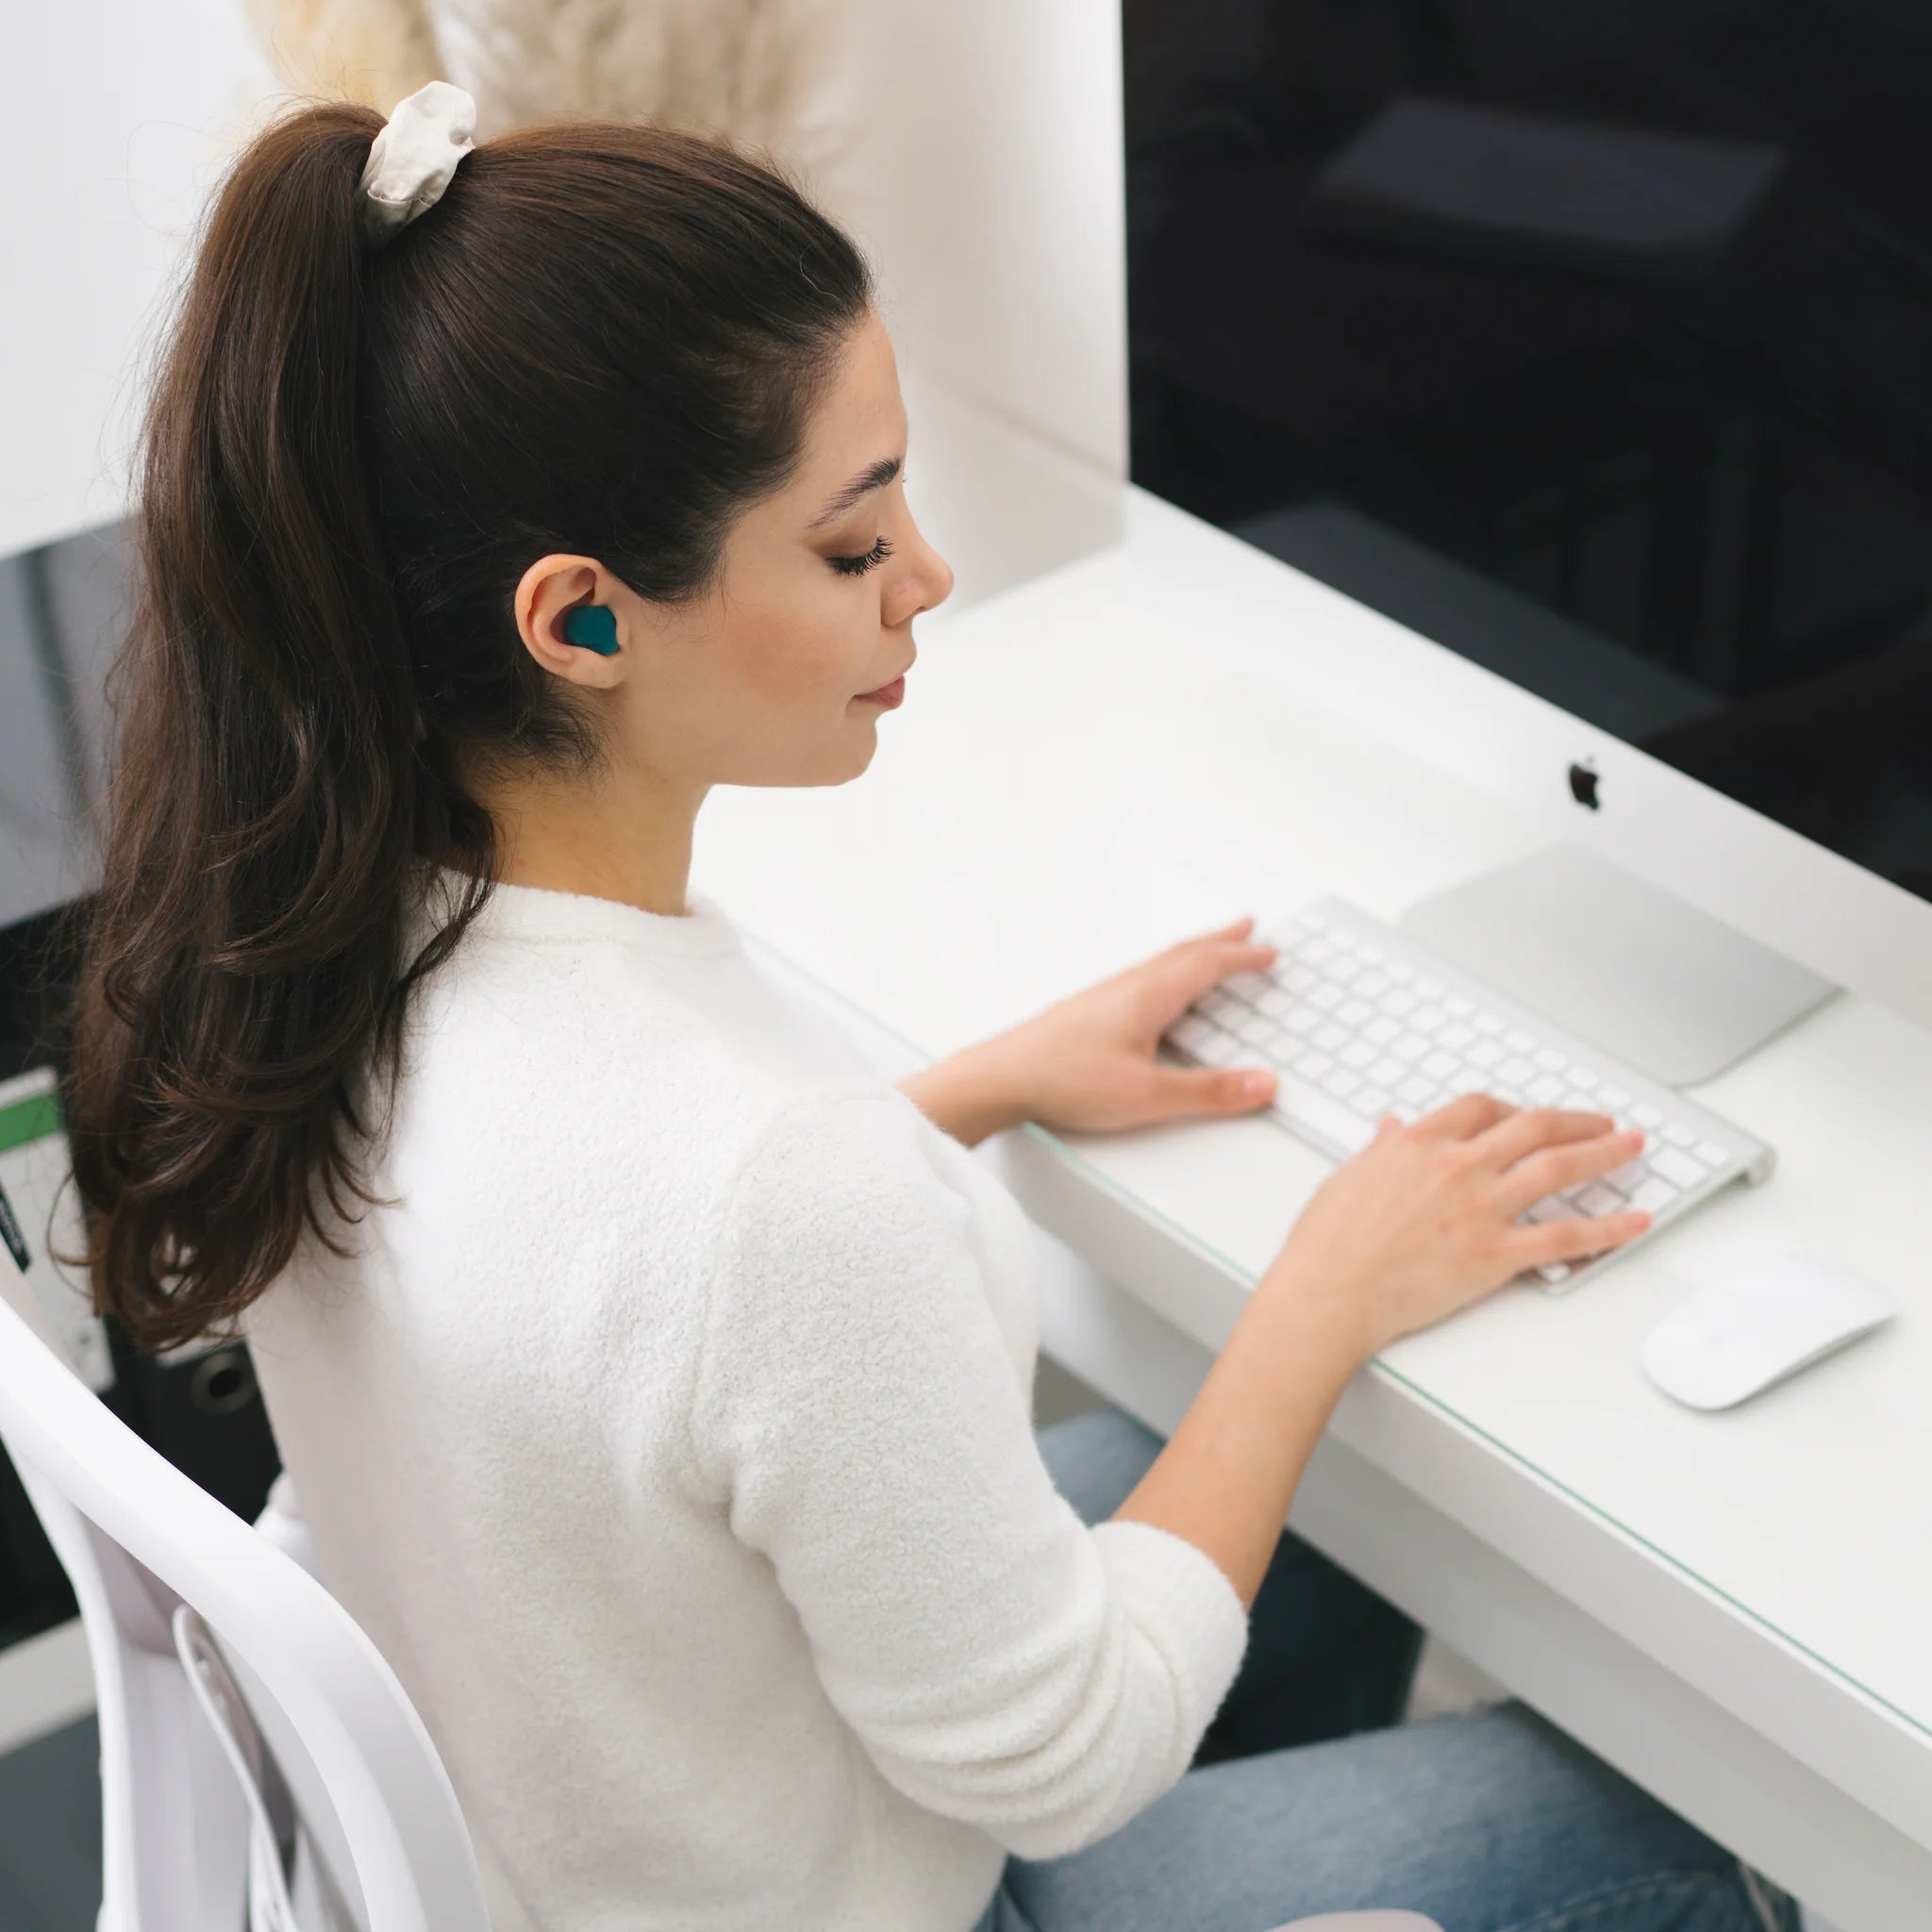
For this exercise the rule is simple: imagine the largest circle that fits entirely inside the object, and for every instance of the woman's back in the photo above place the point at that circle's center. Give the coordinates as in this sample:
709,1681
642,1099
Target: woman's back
486,1411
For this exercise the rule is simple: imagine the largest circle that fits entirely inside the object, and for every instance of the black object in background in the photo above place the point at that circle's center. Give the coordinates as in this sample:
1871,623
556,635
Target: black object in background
1591,340
205,1413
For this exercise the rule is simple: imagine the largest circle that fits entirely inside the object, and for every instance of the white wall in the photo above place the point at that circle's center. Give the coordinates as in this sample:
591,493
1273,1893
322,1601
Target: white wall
113,121
986,184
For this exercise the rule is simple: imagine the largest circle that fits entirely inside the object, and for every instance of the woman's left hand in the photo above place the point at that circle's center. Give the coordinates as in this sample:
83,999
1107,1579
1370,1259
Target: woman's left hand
1086,1063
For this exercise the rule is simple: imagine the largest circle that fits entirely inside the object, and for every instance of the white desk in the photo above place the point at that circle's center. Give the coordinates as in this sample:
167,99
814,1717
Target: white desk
1731,1608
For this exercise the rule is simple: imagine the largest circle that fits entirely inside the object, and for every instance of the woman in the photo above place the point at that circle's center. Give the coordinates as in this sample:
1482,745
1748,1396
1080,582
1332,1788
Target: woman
656,1381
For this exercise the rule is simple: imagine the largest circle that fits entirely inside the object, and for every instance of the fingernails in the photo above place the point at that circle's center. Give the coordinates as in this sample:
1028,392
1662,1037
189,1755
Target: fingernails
1254,1085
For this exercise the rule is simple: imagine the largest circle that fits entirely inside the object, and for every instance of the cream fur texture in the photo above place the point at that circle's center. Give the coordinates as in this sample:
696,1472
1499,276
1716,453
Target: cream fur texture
771,74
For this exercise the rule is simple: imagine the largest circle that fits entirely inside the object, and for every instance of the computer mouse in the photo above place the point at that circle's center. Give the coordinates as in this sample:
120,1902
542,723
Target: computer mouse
1757,1324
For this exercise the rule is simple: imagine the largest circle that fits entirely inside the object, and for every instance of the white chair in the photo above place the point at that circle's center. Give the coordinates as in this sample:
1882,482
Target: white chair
261,1765
247,1724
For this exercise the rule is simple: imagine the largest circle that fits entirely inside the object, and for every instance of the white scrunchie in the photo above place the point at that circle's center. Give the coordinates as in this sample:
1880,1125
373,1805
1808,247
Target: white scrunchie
412,158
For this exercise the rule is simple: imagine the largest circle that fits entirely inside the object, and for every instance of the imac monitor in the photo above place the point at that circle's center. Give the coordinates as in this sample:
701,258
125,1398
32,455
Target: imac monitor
1594,344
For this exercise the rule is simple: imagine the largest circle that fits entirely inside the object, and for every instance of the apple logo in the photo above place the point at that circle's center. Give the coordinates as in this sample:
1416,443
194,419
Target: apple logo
1583,786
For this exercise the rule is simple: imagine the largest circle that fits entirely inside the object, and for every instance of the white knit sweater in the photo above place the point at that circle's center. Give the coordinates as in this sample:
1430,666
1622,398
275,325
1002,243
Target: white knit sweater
670,1435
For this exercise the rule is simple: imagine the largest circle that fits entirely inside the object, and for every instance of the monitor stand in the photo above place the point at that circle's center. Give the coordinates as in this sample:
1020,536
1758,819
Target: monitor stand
1617,961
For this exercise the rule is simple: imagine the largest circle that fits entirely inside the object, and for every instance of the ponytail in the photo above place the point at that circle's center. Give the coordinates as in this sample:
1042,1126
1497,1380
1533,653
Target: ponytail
347,461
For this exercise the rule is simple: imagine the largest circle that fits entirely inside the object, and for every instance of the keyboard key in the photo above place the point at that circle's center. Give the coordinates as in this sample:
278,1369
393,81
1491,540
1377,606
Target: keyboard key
1584,1079
1372,1101
1373,986
1315,952
1309,1106
1247,985
1675,1165
1487,1022
1654,1194
1382,1031
1484,1057
1515,1071
1191,1030
1630,1176
1430,989
1455,1036
1597,1199
1312,1065
1358,1054
1373,954
1341,1083
1341,936
1646,1116
1612,1098
1711,1154
1678,1135
1299,980
1438,1066
1331,1037
1221,1050
1517,1041
1546,1090
1257,1029
1554,1272
1410,1047
1416,1089
1459,1007
1354,1012
1327,997
1301,1022
1399,1003
1343,970
1388,1070
1552,1061
1427,1019
1400,969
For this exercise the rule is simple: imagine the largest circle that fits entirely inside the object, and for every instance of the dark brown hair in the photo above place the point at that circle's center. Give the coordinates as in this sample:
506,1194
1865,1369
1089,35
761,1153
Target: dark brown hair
603,339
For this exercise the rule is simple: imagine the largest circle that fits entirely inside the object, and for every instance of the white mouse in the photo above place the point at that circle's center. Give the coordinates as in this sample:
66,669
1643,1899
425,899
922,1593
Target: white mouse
1757,1324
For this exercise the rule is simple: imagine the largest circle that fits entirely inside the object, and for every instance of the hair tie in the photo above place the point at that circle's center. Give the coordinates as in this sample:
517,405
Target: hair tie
413,156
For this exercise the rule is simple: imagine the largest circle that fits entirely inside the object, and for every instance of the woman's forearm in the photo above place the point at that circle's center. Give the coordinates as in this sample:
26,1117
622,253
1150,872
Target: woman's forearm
1229,1471
968,1095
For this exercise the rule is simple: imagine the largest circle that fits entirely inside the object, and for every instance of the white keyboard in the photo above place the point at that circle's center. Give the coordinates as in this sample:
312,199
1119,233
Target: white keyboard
1358,1021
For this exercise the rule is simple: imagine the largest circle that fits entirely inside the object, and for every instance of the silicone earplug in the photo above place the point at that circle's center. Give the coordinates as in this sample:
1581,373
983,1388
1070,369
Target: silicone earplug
593,626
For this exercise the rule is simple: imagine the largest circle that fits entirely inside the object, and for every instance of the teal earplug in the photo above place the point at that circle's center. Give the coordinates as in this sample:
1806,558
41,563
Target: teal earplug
593,626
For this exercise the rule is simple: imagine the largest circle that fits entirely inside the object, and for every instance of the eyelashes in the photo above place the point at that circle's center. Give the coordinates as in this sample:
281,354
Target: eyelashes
858,566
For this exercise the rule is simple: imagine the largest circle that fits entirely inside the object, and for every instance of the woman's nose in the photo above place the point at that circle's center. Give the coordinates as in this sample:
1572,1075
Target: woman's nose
928,583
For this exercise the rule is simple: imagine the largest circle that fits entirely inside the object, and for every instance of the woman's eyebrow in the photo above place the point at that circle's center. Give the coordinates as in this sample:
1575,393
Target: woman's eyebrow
876,477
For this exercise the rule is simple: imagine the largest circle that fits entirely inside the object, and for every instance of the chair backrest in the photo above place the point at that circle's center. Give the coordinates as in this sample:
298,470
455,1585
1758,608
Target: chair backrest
354,1775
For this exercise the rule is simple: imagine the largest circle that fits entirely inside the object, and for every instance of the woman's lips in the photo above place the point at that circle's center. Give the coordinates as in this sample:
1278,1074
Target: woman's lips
888,694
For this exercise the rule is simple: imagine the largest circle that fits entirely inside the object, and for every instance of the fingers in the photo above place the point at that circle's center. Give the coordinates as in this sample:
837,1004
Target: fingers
1571,1240
1239,1089
1555,1169
1466,1115
1189,1092
1206,960
1524,1130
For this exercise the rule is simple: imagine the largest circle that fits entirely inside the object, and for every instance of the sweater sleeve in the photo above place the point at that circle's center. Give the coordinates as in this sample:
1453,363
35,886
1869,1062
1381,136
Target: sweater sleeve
1001,1662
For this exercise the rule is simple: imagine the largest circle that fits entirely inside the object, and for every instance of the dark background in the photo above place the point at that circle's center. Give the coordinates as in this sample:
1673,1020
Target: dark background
1677,478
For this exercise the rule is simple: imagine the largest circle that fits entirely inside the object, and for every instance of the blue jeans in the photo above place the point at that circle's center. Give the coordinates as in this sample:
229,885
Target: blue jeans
1487,1821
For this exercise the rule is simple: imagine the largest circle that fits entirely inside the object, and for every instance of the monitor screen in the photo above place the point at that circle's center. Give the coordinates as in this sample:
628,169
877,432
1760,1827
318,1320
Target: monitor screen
63,610
1593,341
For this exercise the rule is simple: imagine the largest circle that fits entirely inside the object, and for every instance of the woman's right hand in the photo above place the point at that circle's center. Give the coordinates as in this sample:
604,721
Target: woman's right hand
1423,1221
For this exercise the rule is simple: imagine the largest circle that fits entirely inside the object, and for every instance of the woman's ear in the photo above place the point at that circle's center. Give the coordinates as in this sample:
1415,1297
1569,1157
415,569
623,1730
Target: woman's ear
567,625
